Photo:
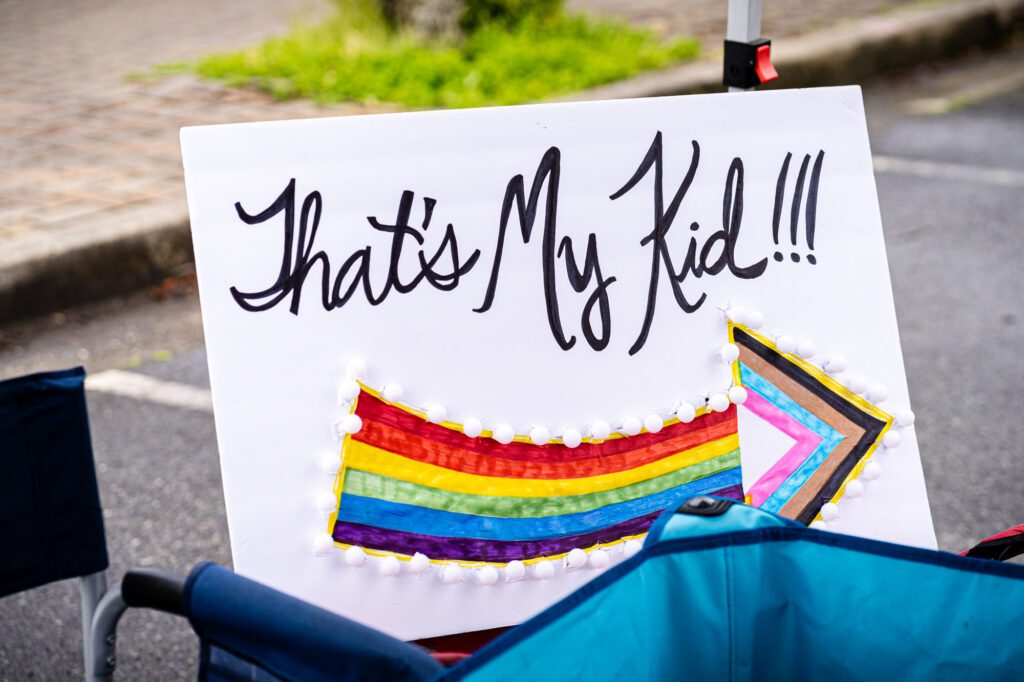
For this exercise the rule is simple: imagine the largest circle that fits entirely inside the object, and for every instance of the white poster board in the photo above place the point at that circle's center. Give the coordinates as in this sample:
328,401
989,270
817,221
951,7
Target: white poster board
515,339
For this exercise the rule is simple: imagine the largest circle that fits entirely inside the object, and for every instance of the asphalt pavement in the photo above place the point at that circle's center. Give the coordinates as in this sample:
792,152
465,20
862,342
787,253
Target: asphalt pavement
950,148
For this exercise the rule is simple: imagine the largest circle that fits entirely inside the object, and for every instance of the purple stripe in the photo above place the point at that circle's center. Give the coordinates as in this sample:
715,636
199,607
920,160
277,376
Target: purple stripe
471,549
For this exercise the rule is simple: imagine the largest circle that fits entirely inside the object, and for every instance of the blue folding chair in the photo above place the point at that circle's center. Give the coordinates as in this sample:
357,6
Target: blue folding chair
51,528
51,522
248,631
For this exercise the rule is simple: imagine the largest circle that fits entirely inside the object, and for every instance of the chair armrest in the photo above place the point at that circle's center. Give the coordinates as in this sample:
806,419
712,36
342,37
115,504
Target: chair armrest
151,589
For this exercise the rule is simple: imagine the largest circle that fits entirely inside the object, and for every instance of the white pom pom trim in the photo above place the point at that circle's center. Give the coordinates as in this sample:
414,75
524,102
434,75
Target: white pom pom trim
576,558
419,564
543,570
599,559
540,435
472,427
389,566
600,430
355,556
487,576
515,570
323,543
451,574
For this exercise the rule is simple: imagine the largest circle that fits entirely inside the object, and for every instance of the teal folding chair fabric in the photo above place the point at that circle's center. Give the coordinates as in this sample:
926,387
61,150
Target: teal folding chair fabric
747,595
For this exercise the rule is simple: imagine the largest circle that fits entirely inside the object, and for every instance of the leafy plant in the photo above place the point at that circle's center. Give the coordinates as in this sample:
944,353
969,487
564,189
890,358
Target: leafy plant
353,56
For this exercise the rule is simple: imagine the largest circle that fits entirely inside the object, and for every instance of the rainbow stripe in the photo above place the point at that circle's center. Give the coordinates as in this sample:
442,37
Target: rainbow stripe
407,485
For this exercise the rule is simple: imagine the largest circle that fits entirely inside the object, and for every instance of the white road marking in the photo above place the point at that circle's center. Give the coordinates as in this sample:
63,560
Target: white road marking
1004,177
142,387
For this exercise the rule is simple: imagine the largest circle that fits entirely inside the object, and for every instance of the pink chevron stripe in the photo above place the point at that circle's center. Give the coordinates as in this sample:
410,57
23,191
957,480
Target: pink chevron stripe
806,442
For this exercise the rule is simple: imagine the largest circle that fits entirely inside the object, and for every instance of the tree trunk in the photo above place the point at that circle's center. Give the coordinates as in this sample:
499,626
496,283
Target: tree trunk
431,18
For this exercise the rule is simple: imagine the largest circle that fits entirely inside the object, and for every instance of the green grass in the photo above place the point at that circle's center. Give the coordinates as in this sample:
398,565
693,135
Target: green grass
352,57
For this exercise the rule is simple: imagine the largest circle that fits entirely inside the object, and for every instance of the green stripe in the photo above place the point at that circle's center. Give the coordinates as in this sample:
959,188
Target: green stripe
394,490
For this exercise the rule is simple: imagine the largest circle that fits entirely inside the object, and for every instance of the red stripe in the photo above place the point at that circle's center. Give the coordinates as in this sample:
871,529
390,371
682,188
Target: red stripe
395,430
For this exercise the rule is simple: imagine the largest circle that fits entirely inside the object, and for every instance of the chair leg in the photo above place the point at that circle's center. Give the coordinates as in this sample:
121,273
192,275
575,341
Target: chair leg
101,636
91,588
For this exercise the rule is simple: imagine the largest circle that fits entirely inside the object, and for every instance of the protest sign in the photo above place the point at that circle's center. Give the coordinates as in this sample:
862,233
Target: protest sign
460,360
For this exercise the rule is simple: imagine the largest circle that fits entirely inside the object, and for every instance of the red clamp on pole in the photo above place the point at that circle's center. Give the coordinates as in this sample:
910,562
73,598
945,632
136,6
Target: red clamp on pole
763,64
748,65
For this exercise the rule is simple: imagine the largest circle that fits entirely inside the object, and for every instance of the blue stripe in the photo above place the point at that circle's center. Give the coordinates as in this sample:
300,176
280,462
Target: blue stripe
413,519
830,438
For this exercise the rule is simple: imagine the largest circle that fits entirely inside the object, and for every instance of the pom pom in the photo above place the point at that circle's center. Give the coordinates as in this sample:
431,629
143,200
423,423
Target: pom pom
904,418
355,556
854,489
729,353
685,413
576,558
540,435
330,463
473,427
892,439
599,559
351,423
504,434
737,314
515,570
836,364
631,547
543,570
419,564
737,395
326,502
392,392
323,543
355,368
389,566
653,423
755,320
348,391
830,511
857,383
600,430
451,574
631,426
487,576
872,471
719,402
819,525
806,349
877,393
436,413
572,438
786,344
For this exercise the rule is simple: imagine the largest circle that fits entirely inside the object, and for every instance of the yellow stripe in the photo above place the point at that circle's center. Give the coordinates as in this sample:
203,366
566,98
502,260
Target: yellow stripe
365,457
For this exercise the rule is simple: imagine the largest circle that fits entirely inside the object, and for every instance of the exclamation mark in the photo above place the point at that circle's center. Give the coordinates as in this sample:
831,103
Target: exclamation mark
794,214
780,191
812,205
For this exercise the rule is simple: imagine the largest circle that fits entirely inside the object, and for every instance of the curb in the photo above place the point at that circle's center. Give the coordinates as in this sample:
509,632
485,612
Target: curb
848,52
114,253
138,246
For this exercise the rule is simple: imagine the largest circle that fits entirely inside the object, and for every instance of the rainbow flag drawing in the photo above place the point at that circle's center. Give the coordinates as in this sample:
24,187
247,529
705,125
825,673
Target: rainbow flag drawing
407,485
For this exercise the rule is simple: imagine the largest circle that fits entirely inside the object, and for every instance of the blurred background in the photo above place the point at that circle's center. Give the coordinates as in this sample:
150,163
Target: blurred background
96,262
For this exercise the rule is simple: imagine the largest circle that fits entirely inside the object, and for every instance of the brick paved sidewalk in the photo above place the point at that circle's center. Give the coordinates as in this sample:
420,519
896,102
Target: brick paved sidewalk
81,145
